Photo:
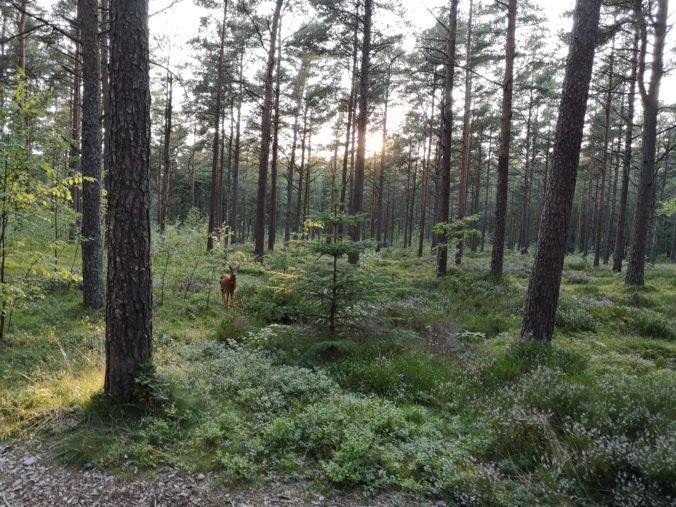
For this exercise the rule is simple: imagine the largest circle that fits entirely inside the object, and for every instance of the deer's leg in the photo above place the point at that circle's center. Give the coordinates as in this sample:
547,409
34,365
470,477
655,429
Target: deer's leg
223,298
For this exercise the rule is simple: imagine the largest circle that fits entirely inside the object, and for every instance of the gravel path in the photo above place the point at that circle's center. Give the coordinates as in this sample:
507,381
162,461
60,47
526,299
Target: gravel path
31,479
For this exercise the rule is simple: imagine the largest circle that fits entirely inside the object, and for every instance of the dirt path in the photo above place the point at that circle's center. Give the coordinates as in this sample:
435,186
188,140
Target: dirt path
30,479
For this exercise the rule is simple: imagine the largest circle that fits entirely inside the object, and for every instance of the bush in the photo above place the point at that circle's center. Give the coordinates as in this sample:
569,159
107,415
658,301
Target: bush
573,317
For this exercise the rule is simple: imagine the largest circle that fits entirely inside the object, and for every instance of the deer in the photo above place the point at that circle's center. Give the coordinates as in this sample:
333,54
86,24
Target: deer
229,284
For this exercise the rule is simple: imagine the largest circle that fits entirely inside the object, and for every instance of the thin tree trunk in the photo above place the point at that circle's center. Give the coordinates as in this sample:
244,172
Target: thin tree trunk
21,29
362,122
444,178
466,135
426,178
92,256
618,254
216,168
600,215
234,184
484,225
498,253
301,173
105,87
272,227
266,126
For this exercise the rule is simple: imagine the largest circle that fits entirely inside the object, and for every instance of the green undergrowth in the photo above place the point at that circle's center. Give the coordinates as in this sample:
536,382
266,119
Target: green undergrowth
427,391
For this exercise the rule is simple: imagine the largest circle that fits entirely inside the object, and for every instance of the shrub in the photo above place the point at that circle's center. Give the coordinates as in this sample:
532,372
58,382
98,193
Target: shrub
523,356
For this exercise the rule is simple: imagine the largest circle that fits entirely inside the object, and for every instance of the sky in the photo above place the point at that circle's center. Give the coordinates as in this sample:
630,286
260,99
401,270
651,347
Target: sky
181,22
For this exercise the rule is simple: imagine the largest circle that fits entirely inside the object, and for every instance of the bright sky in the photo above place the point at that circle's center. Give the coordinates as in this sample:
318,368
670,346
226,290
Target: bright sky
181,22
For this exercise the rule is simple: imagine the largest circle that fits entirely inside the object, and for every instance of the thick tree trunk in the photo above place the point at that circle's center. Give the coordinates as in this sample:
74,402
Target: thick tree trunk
362,122
266,126
444,175
92,255
543,291
646,183
498,252
129,295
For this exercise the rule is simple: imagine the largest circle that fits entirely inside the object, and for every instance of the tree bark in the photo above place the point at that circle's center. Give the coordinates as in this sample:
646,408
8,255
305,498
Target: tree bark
426,177
92,256
216,168
444,176
362,122
234,184
272,227
600,215
498,252
129,295
466,134
646,184
543,290
105,87
266,125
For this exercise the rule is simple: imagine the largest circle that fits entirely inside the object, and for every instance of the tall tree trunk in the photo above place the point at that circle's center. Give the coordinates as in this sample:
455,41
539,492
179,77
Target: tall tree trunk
216,168
306,192
76,123
525,203
165,165
613,200
362,122
92,255
600,215
105,87
444,177
298,94
543,290
426,177
234,184
272,227
498,252
407,242
484,225
348,156
129,295
466,134
21,29
476,192
301,174
650,98
266,125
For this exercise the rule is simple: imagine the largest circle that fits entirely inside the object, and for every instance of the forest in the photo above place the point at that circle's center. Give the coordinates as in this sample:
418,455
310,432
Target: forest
337,253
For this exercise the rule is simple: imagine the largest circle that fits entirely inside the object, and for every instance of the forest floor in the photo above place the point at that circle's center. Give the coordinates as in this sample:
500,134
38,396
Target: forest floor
31,478
424,395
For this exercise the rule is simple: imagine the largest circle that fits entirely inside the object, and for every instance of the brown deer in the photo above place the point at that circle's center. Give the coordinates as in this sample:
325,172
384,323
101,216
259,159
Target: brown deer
228,285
